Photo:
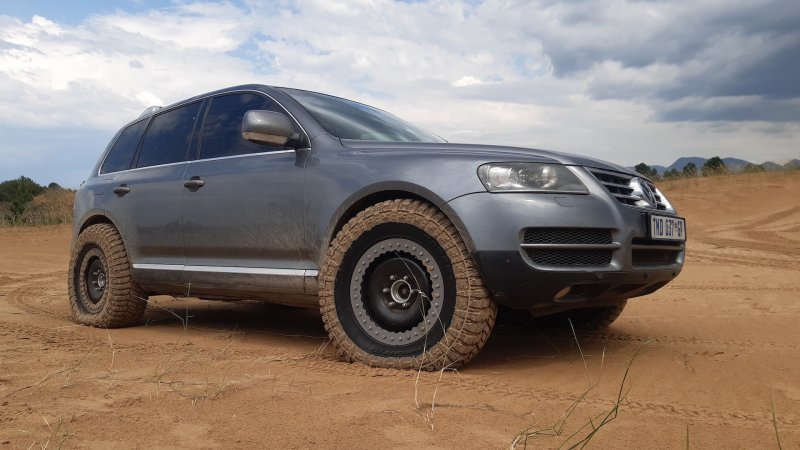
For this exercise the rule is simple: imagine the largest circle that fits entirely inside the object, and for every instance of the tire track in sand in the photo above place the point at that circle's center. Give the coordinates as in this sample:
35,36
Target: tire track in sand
465,383
39,298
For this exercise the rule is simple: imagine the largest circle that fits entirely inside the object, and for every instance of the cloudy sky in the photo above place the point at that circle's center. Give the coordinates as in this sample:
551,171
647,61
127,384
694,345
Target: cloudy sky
625,81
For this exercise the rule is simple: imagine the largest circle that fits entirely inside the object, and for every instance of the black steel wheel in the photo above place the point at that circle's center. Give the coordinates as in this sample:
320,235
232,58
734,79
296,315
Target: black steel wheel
399,289
101,290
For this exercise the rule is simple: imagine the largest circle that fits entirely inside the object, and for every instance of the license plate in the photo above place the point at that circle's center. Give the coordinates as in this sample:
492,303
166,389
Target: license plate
667,228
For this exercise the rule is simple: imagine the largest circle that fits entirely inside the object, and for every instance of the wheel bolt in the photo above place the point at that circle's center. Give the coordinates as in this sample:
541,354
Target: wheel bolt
385,290
392,277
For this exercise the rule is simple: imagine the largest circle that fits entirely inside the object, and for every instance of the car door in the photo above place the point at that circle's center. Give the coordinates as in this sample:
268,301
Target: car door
148,203
242,208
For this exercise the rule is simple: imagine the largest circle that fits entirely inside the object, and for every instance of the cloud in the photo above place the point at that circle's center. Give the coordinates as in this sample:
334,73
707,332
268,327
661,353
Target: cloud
605,77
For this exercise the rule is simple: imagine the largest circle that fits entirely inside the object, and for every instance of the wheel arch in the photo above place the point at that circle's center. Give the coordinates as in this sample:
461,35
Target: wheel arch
375,194
96,219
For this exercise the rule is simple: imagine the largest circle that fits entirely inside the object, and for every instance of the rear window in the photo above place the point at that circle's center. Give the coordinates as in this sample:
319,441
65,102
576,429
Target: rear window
168,138
120,156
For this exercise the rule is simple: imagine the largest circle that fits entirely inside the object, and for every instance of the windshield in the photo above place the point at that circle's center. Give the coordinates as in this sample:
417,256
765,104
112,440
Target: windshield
346,119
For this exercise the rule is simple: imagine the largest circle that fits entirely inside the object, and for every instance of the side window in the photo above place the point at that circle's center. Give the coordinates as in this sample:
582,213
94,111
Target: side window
121,154
167,140
222,132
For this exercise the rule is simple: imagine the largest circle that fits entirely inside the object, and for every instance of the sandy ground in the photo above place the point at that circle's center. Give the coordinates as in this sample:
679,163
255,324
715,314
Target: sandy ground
717,349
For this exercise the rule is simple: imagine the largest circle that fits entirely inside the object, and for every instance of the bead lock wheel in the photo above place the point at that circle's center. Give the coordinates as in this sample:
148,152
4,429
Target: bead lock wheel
399,289
397,292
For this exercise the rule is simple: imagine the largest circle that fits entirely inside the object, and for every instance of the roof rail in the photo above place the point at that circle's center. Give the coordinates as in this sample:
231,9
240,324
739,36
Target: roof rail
150,110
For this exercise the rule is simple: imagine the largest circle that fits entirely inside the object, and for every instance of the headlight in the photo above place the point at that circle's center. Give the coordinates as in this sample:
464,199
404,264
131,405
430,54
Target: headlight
530,177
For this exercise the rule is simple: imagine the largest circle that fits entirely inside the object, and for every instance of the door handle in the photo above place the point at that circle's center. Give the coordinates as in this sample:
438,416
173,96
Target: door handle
194,183
121,190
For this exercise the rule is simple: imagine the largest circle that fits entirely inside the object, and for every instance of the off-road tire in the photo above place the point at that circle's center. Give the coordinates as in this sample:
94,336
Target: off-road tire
588,319
467,310
120,302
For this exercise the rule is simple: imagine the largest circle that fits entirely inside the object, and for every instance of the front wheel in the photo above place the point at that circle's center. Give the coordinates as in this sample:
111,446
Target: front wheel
399,289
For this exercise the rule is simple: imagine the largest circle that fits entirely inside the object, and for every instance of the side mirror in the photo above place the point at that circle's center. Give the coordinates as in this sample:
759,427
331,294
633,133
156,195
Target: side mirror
267,127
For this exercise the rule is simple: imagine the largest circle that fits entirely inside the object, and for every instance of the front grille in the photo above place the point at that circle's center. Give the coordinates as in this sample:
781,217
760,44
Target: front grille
618,184
566,236
564,247
565,257
654,257
647,252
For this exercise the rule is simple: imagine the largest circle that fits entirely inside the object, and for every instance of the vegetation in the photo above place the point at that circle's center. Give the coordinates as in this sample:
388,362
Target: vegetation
647,171
689,170
25,202
714,166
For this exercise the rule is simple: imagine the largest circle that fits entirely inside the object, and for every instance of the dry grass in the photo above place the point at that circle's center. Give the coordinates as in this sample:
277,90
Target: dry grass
595,422
52,207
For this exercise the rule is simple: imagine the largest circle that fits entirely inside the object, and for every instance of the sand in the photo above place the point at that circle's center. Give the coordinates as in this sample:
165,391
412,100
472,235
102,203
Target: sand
710,359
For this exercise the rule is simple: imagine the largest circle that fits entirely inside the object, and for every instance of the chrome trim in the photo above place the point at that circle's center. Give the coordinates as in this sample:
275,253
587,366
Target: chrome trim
158,266
676,248
247,270
240,156
611,246
146,167
231,269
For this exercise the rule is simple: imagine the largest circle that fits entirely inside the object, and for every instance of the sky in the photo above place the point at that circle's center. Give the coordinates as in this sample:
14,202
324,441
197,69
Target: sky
625,81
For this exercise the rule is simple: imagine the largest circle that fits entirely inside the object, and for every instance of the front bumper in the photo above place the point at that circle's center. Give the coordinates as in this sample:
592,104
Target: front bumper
627,265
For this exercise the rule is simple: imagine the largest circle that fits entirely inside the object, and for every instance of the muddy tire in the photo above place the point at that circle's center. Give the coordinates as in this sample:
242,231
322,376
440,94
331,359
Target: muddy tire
101,290
588,319
398,289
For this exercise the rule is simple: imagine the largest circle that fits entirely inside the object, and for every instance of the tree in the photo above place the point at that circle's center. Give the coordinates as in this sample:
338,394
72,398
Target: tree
753,168
646,170
19,192
714,166
672,174
54,186
690,170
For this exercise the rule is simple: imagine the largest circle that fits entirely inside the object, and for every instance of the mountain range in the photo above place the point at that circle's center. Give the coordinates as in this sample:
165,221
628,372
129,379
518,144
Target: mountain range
733,164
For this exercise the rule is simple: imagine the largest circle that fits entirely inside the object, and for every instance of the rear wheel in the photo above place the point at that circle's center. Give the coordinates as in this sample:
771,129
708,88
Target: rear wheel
101,290
399,289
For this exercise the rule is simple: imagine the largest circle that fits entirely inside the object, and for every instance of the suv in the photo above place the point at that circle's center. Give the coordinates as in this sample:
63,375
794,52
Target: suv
405,242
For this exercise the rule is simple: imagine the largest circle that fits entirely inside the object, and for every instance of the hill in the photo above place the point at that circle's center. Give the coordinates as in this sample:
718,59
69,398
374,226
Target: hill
734,165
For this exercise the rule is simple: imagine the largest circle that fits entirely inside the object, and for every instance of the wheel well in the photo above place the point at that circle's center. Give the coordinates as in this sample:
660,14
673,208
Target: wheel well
94,220
366,202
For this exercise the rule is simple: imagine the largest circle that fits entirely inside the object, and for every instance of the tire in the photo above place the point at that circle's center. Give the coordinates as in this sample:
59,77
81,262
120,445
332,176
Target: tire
101,291
398,289
588,319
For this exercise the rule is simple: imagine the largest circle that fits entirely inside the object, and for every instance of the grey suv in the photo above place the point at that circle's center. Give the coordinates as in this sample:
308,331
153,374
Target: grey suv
405,242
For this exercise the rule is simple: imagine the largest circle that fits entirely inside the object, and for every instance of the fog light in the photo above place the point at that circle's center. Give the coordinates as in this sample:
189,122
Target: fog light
563,293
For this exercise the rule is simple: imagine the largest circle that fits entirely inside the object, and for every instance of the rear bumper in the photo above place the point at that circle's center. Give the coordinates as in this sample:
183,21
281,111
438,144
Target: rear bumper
629,264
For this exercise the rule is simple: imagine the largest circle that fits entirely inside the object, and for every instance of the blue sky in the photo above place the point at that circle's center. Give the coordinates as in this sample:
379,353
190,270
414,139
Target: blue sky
73,13
625,81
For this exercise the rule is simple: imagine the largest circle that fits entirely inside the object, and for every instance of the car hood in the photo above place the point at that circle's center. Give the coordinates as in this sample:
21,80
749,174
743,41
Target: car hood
489,153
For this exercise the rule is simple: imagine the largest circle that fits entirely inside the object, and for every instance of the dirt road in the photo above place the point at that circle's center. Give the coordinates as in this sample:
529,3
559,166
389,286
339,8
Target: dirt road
718,355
